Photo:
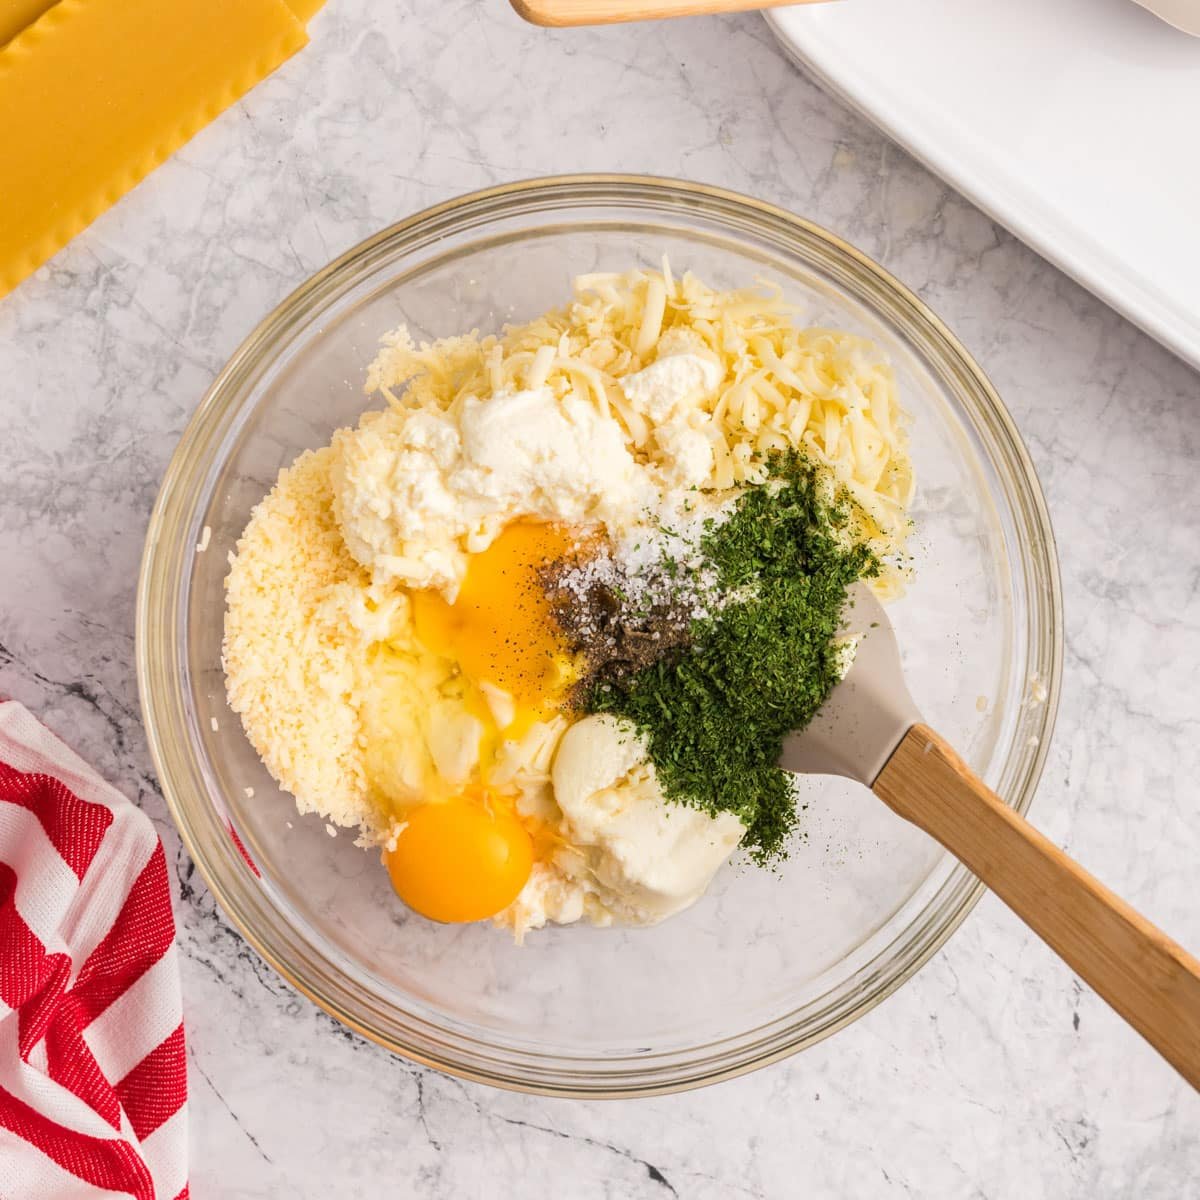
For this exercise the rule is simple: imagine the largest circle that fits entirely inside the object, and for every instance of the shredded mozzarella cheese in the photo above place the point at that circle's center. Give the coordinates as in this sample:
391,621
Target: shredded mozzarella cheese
825,392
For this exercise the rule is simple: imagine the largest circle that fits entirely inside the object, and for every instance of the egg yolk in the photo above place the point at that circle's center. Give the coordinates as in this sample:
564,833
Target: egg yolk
460,860
467,857
500,628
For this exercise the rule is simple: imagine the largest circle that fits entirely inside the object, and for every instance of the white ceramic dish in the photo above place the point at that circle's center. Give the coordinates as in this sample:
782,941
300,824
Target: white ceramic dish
1075,124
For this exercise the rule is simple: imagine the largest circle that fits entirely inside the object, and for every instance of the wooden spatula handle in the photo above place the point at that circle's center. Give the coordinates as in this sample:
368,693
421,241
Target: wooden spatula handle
604,12
1149,979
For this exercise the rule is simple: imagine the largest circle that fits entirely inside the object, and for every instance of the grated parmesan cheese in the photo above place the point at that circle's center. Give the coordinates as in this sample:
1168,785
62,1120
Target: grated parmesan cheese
292,648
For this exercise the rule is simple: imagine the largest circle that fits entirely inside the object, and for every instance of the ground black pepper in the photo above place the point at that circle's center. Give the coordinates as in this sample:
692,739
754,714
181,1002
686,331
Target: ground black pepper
614,637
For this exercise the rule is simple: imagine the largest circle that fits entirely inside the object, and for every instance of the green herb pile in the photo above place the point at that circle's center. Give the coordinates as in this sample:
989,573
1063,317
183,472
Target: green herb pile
715,714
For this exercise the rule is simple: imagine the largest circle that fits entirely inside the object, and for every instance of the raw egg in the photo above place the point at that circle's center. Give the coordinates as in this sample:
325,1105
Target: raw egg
500,628
463,859
467,857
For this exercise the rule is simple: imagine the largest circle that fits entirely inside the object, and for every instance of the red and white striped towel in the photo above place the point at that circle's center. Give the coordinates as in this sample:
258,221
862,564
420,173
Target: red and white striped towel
93,1076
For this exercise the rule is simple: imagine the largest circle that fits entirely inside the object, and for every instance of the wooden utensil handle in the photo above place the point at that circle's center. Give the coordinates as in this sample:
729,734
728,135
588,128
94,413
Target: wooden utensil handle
1149,979
605,12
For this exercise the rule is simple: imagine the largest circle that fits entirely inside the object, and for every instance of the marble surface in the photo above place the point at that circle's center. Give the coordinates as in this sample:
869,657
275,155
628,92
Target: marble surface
994,1073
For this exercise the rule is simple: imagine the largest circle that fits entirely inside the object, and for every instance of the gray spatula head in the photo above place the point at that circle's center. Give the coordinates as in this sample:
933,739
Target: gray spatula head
868,713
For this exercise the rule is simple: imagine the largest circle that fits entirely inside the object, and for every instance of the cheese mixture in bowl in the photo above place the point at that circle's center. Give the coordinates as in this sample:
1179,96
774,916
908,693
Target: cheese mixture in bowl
769,961
536,629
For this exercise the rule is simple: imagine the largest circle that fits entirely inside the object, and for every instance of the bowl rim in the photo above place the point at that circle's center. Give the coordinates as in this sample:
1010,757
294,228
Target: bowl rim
596,187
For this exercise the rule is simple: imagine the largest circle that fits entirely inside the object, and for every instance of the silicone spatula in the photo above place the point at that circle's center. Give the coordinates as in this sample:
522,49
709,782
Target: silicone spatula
870,730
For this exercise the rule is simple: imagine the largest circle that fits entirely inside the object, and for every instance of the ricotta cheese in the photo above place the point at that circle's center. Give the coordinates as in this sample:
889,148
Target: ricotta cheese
680,378
415,491
631,856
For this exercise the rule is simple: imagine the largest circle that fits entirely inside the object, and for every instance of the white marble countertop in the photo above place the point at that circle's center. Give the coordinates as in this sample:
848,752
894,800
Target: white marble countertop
993,1073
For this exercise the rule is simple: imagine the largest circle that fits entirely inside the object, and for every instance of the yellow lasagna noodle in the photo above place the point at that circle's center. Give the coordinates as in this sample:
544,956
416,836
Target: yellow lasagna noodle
96,93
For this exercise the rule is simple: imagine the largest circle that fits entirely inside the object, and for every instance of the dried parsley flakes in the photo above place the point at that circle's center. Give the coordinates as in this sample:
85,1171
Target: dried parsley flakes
715,714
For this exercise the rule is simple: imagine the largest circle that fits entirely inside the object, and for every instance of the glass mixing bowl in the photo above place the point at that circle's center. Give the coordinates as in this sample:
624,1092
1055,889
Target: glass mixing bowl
763,965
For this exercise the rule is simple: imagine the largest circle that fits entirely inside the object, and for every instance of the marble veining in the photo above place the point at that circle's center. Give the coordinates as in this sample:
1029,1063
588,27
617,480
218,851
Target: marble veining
992,1074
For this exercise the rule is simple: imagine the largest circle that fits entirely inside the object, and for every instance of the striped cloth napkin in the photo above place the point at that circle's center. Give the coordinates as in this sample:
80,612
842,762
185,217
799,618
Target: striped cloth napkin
93,1075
